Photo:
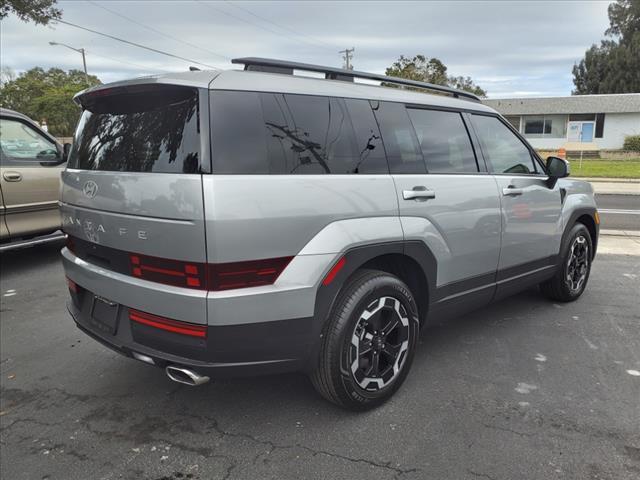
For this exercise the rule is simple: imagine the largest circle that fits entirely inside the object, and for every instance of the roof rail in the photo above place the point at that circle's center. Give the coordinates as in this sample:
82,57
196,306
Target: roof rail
332,73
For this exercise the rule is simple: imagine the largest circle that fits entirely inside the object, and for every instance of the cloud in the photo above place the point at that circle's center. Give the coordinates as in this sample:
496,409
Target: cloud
507,47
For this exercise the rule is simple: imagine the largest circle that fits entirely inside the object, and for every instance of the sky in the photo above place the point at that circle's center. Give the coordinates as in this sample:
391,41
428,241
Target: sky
511,49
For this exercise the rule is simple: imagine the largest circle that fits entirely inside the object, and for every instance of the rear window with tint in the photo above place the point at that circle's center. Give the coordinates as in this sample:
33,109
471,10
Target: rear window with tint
149,131
266,133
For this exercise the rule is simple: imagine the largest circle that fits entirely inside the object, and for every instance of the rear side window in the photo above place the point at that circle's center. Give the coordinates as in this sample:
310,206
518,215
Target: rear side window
502,148
265,133
399,138
444,141
149,131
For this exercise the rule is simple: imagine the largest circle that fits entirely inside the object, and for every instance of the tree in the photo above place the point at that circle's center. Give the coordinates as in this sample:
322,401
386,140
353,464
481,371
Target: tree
38,11
47,95
431,71
614,65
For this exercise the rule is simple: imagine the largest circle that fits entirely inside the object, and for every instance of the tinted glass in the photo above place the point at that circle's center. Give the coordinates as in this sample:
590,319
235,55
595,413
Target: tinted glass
155,131
322,135
371,155
266,133
399,138
500,146
444,141
21,143
239,135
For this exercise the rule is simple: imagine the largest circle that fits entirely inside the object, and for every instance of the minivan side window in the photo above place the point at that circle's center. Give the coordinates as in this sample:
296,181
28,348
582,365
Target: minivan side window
444,141
399,138
504,151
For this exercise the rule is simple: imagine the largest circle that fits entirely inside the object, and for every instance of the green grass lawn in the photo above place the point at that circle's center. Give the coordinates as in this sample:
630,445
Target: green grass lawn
606,168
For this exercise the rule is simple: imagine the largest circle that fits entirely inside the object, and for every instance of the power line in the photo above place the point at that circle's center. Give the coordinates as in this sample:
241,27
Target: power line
155,50
316,41
157,31
145,67
253,23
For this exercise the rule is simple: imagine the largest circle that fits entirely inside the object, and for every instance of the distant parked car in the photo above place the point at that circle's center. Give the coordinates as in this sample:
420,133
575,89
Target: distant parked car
31,161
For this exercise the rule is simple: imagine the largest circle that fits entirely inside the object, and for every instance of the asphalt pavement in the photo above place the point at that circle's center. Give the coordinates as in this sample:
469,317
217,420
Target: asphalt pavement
619,212
523,389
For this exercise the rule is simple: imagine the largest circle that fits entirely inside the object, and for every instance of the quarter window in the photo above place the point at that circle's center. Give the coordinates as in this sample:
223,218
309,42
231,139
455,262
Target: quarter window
505,152
444,141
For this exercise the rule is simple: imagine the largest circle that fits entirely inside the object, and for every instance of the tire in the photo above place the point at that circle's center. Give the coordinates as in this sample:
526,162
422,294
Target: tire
572,274
359,365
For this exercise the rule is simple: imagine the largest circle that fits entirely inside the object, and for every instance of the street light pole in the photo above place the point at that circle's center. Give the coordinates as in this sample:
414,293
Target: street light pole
84,60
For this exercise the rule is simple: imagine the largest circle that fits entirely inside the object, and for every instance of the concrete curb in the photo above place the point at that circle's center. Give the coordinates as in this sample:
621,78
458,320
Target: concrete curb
621,233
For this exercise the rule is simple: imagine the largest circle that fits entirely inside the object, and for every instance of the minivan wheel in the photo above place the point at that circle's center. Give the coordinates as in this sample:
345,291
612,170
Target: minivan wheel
368,343
574,267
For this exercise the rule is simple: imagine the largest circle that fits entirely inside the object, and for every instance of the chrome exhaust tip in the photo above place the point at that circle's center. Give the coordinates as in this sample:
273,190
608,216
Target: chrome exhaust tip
186,376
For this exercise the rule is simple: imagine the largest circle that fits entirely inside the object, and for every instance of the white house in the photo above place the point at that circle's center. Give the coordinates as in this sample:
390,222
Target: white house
578,122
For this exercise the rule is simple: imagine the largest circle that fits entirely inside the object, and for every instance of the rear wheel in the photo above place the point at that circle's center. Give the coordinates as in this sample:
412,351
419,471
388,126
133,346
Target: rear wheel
368,343
574,267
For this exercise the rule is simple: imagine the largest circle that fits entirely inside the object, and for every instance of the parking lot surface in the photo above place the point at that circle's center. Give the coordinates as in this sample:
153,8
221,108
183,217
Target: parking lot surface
523,389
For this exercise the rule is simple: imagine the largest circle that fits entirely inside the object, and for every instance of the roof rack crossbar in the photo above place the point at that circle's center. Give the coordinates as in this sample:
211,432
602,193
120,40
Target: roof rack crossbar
283,66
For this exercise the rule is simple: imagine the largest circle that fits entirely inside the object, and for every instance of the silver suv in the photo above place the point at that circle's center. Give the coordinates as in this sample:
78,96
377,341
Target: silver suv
256,221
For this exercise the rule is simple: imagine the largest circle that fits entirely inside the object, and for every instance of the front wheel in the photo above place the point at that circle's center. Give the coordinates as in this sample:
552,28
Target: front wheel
574,267
368,343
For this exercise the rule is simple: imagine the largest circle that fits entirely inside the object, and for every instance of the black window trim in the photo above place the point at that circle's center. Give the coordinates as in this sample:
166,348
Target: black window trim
534,155
462,113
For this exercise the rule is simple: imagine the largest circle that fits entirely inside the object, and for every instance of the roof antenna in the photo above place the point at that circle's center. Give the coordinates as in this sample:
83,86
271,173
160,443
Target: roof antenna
193,69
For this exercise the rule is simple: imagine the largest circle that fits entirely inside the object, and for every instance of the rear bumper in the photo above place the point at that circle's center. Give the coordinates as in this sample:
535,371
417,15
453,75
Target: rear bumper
229,351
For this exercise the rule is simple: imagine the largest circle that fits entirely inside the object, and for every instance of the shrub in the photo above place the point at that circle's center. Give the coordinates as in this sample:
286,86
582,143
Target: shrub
632,142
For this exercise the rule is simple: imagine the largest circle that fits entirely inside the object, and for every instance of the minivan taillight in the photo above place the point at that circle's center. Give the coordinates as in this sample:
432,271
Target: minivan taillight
170,272
226,276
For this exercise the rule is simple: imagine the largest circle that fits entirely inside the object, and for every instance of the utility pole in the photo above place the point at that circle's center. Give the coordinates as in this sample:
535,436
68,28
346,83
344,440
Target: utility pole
84,60
348,55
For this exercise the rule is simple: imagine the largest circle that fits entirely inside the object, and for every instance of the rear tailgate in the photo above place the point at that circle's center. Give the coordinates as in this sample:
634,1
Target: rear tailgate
132,204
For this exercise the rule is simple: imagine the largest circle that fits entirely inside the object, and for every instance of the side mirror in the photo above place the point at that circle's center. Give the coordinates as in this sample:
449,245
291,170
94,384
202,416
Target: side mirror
66,148
557,168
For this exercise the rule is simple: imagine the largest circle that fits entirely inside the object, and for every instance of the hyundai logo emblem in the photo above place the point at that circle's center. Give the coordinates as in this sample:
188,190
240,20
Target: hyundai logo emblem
90,189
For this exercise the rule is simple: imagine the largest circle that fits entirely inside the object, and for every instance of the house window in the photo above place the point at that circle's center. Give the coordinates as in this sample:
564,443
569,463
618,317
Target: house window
547,126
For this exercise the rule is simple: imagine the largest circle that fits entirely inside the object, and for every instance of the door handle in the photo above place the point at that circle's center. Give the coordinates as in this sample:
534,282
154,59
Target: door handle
12,176
512,191
418,193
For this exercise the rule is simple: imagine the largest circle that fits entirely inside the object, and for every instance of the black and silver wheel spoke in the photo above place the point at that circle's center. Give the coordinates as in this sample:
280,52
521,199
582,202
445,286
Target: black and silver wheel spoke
379,342
577,264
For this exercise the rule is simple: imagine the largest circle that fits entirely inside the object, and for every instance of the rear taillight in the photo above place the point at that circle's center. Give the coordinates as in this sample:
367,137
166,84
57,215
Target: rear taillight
214,277
161,323
170,272
73,286
226,276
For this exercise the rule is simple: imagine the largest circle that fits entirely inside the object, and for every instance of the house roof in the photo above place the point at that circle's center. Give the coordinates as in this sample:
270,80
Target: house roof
611,103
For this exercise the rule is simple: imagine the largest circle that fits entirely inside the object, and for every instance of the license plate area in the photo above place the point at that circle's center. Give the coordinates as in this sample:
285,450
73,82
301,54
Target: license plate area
104,315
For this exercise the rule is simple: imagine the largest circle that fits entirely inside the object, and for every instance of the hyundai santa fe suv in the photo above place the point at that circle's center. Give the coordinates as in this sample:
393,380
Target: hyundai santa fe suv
257,221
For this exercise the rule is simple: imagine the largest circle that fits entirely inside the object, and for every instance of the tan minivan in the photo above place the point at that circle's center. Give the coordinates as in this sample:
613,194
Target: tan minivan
31,161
